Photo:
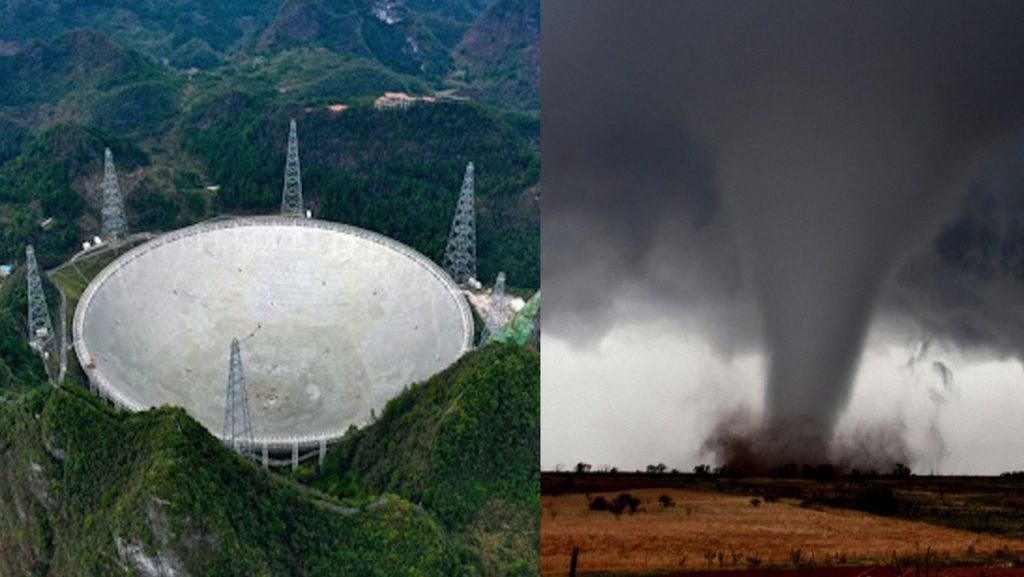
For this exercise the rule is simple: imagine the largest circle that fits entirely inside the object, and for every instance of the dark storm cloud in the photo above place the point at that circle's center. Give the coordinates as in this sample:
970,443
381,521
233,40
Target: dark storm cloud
628,181
967,285
798,151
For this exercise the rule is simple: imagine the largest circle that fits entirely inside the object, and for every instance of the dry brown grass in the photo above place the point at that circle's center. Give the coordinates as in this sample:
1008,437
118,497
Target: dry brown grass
703,525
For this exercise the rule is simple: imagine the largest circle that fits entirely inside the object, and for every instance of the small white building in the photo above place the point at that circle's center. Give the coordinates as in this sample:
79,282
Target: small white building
399,101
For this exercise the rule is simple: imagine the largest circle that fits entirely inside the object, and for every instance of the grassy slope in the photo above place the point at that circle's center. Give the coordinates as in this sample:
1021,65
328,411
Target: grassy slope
466,445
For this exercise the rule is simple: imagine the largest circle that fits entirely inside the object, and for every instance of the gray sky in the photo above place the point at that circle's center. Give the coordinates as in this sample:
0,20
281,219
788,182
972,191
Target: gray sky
797,222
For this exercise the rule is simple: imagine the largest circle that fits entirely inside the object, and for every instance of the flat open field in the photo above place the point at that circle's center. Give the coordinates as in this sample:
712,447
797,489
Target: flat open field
709,530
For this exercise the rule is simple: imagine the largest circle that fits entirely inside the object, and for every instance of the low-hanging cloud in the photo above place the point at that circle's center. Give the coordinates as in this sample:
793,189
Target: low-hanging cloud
966,286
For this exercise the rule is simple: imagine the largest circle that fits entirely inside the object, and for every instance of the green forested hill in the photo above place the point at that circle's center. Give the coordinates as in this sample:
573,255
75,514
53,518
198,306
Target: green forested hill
20,368
466,445
12,137
85,491
395,172
414,37
152,25
406,41
194,100
445,483
80,59
41,183
501,54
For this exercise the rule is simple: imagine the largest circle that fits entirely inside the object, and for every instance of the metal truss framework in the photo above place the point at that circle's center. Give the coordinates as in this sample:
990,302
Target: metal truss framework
114,225
40,327
460,253
238,433
291,196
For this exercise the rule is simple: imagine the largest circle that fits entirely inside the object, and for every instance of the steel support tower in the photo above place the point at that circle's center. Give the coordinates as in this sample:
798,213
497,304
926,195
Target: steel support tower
40,328
291,196
238,434
460,254
497,314
114,224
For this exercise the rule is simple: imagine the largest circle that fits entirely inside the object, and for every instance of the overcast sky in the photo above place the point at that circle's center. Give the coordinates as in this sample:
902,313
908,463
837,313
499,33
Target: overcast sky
799,222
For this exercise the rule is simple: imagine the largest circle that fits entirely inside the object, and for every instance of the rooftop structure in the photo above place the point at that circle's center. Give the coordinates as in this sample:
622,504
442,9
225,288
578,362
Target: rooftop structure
399,100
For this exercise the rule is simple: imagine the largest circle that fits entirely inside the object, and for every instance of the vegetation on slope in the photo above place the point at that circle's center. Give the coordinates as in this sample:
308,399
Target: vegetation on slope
501,55
465,445
393,172
20,367
143,109
76,60
37,185
84,490
151,25
397,173
110,490
488,48
313,75
413,37
12,136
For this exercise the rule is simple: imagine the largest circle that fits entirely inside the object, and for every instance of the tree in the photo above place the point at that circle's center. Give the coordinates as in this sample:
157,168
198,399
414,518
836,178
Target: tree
622,502
900,470
582,468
